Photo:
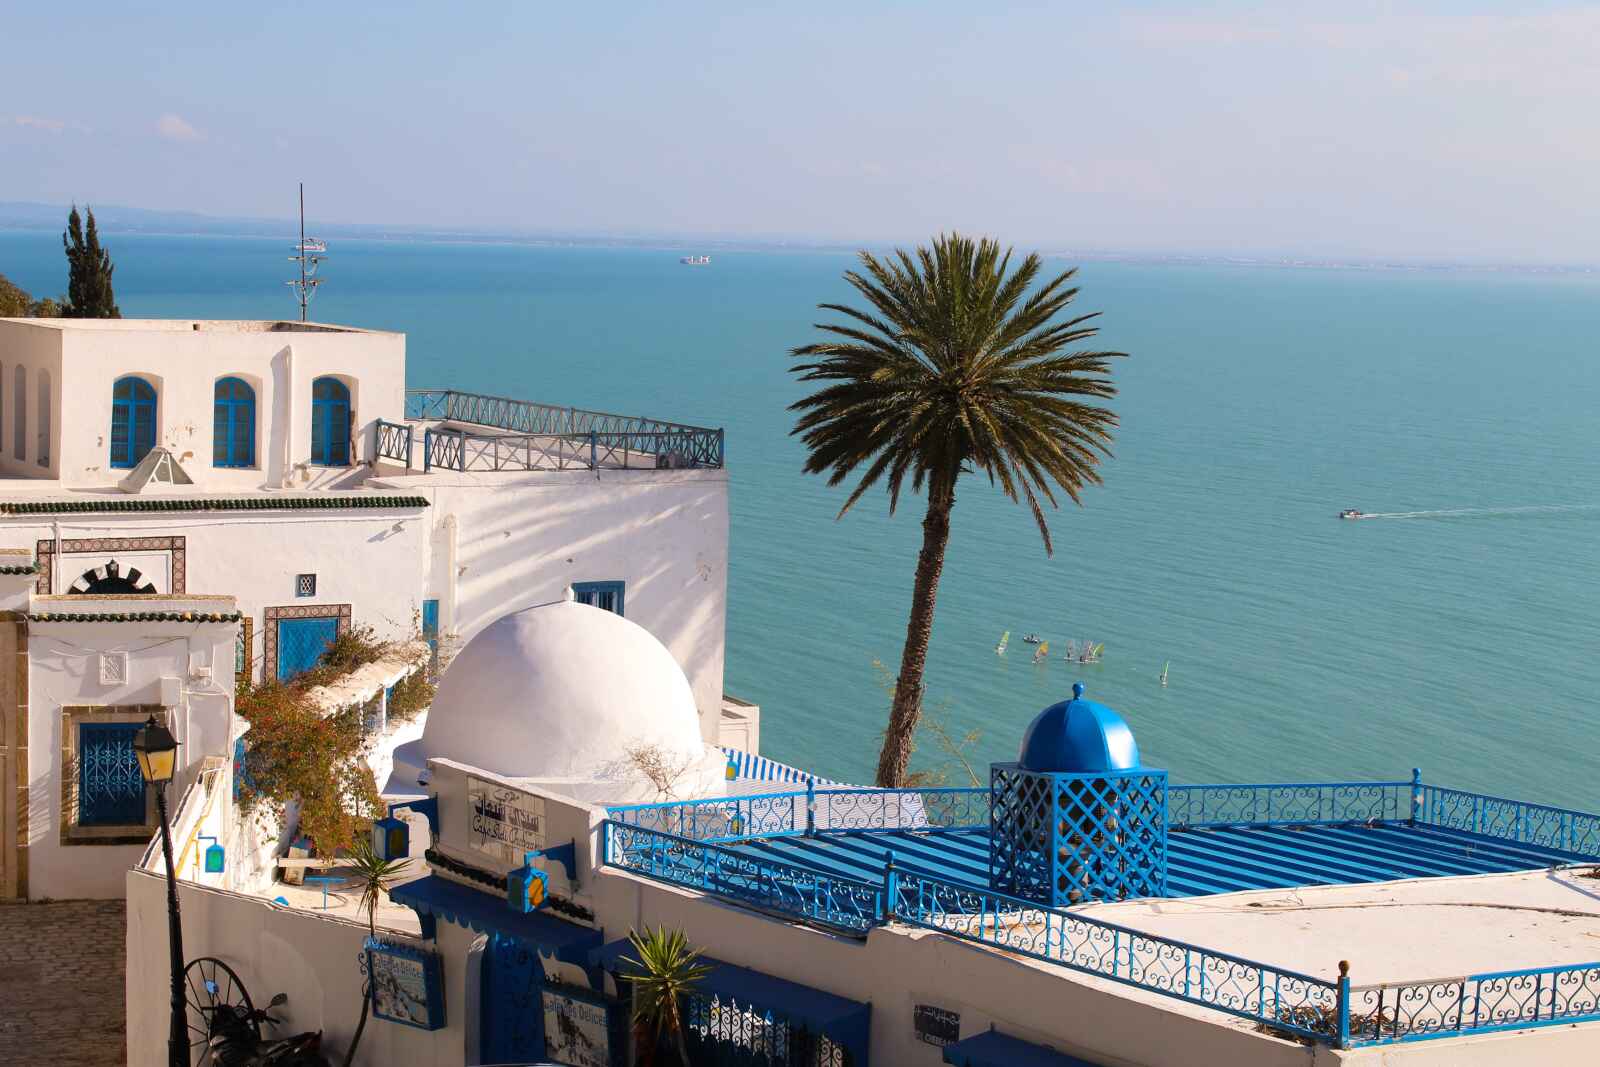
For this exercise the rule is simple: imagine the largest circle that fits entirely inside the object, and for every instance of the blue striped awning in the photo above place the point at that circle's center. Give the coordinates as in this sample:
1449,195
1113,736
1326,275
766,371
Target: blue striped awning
756,768
994,1049
490,914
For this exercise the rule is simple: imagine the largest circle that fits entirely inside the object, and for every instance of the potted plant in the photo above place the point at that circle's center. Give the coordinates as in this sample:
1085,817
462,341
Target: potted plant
664,971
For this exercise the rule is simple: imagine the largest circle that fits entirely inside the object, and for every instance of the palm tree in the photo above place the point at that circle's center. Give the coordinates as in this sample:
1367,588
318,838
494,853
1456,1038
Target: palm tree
664,972
373,875
956,368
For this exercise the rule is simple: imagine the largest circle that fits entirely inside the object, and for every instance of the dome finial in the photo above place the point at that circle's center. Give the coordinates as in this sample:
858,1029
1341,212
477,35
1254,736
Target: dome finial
568,595
1077,690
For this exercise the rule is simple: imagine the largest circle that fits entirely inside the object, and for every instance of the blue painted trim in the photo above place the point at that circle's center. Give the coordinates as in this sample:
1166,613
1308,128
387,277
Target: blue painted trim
133,421
330,422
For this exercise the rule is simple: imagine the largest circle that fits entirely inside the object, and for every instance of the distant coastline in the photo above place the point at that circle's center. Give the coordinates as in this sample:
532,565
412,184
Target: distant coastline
116,219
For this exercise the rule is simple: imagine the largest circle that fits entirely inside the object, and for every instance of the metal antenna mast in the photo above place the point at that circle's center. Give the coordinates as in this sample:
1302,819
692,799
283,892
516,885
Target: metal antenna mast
309,254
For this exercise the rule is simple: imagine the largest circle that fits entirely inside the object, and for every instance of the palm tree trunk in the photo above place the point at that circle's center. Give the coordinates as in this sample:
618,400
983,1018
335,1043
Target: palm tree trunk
899,739
366,1002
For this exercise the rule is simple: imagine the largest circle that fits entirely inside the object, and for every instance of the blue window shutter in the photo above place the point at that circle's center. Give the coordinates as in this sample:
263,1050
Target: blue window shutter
133,421
110,787
430,623
604,595
330,423
301,643
234,424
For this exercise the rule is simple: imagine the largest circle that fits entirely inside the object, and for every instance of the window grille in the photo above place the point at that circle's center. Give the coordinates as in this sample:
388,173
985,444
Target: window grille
305,585
604,595
110,787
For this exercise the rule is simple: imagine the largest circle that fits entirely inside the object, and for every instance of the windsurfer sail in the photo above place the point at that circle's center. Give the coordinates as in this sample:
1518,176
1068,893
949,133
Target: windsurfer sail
1000,649
1164,667
1042,652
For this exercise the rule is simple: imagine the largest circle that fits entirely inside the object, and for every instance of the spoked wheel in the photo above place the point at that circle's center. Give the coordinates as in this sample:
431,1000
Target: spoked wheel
211,986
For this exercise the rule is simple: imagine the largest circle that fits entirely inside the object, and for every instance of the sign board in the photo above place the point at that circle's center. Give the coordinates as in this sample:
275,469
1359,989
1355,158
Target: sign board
407,985
578,1029
936,1026
503,822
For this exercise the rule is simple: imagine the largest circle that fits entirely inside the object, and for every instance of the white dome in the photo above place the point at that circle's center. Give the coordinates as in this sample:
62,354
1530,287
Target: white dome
562,691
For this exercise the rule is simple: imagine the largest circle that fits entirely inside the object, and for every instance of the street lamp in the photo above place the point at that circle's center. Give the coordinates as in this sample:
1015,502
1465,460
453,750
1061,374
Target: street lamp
157,753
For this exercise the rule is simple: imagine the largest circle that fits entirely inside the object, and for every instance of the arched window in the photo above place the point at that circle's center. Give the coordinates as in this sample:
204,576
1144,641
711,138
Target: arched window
233,429
19,410
133,421
330,423
44,418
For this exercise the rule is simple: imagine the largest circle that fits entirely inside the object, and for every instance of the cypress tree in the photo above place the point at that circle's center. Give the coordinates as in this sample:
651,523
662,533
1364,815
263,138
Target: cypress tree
89,269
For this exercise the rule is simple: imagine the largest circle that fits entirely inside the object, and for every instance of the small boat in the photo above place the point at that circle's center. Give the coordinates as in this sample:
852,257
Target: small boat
1000,649
1042,653
696,261
1351,513
1031,639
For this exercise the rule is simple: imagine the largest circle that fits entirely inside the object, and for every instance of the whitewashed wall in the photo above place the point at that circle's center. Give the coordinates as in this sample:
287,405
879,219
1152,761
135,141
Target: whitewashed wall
63,669
37,349
520,539
183,363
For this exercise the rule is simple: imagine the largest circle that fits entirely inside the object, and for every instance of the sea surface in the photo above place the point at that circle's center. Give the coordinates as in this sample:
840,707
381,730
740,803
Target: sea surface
1458,633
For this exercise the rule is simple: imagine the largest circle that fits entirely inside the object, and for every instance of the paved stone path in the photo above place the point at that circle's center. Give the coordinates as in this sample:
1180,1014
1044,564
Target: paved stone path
61,984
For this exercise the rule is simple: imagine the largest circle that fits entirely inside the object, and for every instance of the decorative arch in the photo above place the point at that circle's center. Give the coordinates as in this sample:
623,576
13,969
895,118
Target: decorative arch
19,410
109,580
330,422
233,441
133,421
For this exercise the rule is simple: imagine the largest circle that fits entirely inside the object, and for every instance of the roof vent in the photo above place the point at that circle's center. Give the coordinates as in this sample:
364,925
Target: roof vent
159,471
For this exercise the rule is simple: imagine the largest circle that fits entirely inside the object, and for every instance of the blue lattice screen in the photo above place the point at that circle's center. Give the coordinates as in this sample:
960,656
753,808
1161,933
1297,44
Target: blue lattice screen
301,643
110,787
1063,839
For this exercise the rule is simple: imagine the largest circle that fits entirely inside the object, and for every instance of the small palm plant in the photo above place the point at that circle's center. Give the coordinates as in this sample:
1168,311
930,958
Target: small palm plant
665,971
373,876
954,368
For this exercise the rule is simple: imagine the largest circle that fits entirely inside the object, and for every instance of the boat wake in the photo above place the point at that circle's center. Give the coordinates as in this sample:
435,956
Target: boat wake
1462,513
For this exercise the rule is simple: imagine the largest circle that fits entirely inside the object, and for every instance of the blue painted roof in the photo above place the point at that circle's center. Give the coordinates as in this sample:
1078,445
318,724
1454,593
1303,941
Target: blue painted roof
1078,736
489,914
994,1049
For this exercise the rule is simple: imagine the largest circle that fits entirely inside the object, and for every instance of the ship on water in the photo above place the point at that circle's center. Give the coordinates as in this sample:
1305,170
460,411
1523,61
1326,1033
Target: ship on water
696,261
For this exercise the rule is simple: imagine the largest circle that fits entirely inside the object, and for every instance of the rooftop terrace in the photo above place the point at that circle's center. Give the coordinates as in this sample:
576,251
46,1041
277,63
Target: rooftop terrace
1375,872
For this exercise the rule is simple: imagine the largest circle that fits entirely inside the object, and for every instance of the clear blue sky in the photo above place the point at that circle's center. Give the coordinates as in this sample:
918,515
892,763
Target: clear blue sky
1459,130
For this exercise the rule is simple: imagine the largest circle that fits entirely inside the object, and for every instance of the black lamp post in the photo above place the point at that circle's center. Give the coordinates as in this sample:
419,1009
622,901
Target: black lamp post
157,752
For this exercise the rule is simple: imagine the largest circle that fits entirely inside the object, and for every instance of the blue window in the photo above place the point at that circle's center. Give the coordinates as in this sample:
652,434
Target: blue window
233,426
330,423
605,595
301,643
110,787
133,421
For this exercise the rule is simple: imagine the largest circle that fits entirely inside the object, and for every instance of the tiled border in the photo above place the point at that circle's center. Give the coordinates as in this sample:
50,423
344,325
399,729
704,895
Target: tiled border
46,551
269,628
71,832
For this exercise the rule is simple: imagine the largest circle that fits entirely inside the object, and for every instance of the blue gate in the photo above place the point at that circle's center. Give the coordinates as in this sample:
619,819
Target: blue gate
110,787
301,643
511,1004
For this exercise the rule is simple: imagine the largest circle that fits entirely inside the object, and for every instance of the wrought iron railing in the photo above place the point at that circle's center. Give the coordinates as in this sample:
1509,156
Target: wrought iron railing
721,818
1561,829
813,811
544,437
1272,996
1474,1004
769,885
1297,803
394,441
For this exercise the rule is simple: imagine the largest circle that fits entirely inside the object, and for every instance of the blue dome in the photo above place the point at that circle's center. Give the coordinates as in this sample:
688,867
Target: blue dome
1078,736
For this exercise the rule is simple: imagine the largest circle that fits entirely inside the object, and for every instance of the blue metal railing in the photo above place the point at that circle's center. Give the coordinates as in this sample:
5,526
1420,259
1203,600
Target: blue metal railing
1474,1004
1272,996
1288,803
769,885
1561,829
394,441
817,811
544,437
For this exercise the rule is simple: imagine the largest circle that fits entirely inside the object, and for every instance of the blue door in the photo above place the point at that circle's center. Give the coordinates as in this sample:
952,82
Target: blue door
301,643
511,1005
430,623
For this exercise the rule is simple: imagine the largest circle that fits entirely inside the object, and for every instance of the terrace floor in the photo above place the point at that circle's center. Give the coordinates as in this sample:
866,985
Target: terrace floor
1201,862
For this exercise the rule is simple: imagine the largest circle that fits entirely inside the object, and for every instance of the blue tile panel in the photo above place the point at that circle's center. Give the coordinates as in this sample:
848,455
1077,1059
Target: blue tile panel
301,643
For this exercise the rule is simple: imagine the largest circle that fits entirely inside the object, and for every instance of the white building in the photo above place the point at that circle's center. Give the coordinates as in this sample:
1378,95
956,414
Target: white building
285,467
901,927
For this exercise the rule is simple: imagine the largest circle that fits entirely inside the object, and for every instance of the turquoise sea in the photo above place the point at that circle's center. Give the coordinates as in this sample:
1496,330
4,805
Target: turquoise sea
1257,402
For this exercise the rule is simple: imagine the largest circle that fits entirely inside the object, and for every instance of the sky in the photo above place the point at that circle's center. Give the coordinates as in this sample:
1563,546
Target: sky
1456,131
